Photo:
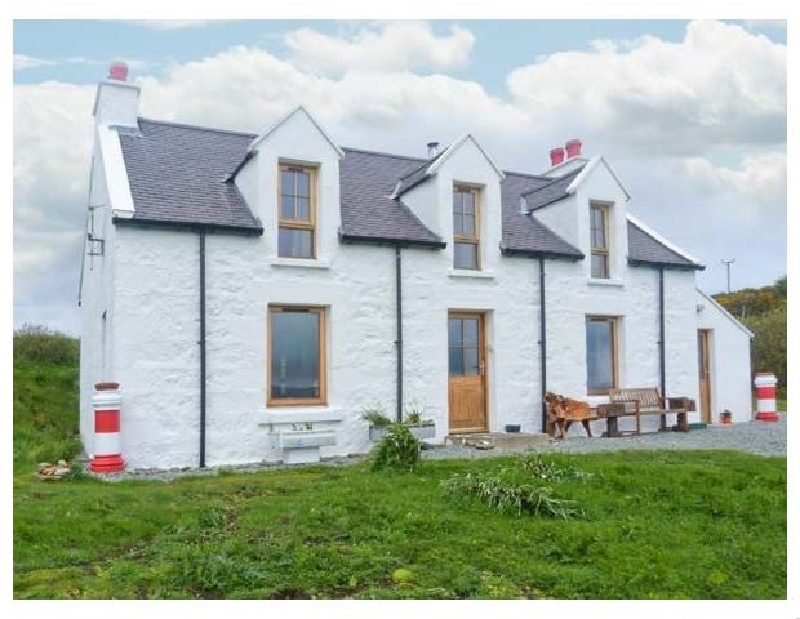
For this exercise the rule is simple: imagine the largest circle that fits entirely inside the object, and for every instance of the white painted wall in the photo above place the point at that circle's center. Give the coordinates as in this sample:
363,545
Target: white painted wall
730,361
155,317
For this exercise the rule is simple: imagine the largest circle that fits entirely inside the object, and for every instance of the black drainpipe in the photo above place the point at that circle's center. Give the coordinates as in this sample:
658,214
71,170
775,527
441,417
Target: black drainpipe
399,326
661,333
202,348
543,342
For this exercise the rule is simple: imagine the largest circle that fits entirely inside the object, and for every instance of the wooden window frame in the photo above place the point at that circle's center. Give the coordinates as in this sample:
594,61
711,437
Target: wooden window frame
614,320
476,238
605,209
322,344
299,224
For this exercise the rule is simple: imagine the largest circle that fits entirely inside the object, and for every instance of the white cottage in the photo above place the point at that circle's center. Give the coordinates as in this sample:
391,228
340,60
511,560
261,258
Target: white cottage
240,287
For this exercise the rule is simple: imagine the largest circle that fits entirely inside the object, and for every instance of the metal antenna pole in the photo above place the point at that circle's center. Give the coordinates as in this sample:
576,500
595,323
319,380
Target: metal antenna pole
728,264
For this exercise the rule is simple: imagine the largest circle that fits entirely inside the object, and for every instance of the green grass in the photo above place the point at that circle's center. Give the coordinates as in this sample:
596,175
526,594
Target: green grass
657,525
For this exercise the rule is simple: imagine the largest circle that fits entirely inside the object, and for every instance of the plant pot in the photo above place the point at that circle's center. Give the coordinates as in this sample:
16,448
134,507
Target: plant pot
376,434
726,418
512,427
425,430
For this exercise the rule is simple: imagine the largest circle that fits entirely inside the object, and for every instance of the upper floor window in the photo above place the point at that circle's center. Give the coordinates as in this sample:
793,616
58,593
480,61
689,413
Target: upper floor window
599,233
466,227
297,211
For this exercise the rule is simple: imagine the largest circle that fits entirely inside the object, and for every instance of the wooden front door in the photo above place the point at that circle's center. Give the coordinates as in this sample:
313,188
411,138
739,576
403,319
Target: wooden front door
467,376
704,366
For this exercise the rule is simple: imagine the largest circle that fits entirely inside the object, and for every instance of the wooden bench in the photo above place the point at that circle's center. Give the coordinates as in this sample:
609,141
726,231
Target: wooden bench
644,401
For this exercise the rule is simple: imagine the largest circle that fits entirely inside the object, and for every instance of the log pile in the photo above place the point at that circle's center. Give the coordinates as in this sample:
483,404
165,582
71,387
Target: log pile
53,471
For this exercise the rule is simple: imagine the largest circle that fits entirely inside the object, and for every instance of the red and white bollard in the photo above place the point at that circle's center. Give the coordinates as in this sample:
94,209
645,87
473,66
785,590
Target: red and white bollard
766,383
107,402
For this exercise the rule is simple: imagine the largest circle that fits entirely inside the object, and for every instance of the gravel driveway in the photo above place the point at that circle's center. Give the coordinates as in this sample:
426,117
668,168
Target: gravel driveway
757,437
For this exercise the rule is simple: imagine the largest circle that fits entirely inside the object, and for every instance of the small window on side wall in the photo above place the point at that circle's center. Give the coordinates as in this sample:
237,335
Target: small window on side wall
599,241
296,366
466,228
297,211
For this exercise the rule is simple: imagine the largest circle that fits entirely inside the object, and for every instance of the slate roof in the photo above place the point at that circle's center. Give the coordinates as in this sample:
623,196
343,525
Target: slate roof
550,190
181,175
177,175
644,249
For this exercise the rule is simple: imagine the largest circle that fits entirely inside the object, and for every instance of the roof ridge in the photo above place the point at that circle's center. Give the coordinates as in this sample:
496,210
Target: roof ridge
196,127
382,154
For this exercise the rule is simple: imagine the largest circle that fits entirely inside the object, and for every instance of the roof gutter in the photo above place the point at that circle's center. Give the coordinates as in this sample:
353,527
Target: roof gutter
202,343
662,345
385,241
539,253
188,226
543,342
636,262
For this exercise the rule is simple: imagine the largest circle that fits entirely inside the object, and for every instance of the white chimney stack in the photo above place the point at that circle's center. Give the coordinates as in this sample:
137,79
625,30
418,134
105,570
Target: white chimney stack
117,101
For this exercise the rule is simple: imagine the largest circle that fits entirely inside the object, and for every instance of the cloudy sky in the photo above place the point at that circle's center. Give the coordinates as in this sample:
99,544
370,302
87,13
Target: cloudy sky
692,114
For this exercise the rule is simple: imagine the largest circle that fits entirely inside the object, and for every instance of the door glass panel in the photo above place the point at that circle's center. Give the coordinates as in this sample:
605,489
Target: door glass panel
470,327
471,361
456,361
295,355
454,327
599,355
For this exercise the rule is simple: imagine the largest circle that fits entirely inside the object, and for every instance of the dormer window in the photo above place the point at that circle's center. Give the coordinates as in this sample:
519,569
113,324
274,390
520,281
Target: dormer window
297,211
599,239
466,228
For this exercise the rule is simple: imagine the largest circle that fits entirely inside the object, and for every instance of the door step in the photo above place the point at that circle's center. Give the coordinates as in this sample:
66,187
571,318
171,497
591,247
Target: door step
490,440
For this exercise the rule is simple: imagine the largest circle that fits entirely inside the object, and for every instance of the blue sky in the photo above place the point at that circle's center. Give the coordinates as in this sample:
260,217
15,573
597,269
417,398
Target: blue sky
691,114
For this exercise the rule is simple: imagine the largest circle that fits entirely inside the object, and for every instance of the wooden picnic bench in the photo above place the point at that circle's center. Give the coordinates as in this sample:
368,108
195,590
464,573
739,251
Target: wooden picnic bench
640,401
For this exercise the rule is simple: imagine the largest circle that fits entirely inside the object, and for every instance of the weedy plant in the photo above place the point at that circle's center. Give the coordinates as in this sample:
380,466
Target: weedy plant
538,467
508,496
398,450
376,417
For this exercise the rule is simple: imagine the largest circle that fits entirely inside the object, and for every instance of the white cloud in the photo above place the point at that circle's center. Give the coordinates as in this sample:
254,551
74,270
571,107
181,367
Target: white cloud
22,62
720,85
392,46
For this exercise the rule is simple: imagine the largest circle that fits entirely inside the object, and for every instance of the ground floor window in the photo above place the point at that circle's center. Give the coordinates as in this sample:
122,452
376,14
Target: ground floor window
296,356
601,354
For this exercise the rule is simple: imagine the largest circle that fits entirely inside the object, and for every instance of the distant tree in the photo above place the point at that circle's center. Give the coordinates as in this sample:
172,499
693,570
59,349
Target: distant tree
780,287
769,343
41,345
751,301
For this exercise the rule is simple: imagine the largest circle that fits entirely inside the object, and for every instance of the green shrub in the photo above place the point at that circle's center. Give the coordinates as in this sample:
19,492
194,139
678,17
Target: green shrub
376,417
398,449
536,466
509,496
38,344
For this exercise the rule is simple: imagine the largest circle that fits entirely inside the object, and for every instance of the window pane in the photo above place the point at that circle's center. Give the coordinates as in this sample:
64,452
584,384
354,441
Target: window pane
303,209
456,361
471,361
470,332
469,203
303,184
287,182
597,221
295,355
469,225
599,266
457,202
599,355
465,256
295,243
458,223
287,207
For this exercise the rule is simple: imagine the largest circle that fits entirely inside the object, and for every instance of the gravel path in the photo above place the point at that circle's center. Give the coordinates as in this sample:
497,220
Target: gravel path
761,438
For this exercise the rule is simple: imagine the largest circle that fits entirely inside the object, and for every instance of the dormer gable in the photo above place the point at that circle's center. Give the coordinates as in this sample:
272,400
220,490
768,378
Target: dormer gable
289,176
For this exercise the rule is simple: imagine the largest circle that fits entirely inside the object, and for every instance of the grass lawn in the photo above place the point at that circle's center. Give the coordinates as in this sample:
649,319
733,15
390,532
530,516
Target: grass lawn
658,525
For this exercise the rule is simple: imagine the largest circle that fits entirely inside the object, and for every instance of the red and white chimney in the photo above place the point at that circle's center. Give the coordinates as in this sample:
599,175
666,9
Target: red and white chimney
564,159
117,100
556,156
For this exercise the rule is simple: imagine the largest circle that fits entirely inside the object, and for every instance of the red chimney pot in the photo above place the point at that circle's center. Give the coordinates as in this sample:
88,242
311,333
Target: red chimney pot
118,71
573,148
556,156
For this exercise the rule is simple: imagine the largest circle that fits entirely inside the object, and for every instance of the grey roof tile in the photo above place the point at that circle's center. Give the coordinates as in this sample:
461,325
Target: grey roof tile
177,175
644,249
550,191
